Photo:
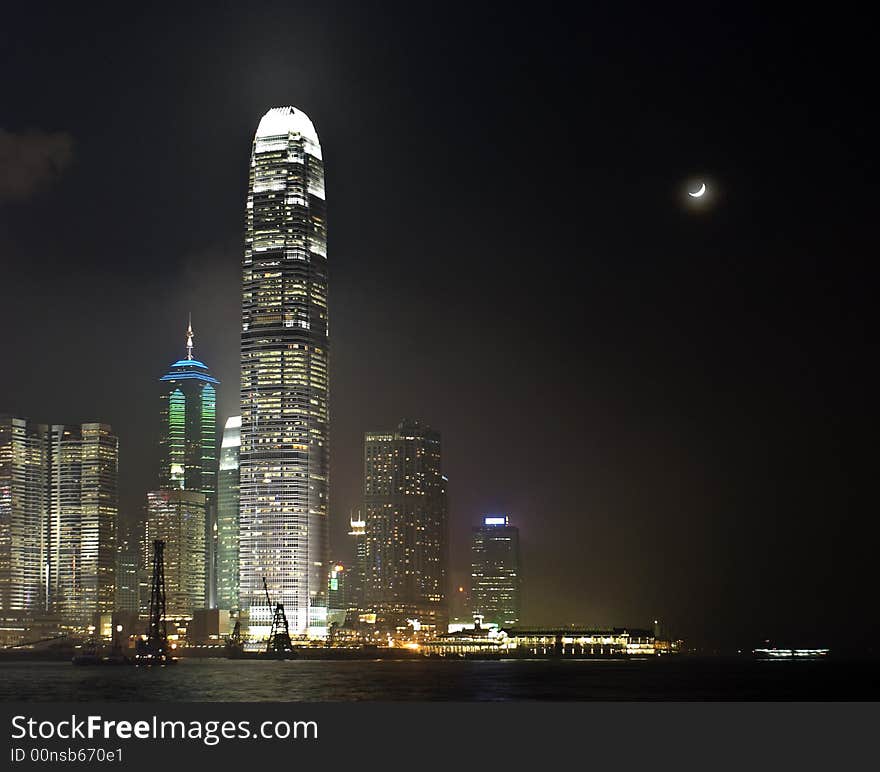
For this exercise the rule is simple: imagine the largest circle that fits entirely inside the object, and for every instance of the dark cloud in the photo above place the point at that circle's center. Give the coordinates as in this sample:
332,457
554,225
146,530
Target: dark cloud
31,161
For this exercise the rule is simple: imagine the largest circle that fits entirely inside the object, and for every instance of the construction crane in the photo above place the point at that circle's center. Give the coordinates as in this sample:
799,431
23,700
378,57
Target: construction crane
279,636
154,651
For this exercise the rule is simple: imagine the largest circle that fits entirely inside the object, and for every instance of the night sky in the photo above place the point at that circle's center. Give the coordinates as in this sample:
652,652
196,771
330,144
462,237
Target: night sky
670,402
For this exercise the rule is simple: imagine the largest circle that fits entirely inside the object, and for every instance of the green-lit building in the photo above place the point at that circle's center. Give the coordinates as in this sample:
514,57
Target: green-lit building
188,443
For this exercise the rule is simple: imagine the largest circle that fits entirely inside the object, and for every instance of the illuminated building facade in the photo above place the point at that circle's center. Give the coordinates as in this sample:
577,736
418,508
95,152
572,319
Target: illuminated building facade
337,593
83,510
23,508
188,442
177,517
128,568
495,575
405,525
357,578
528,643
284,456
227,516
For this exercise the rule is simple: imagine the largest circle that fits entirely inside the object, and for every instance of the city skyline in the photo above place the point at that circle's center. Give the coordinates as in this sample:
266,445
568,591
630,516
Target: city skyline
635,381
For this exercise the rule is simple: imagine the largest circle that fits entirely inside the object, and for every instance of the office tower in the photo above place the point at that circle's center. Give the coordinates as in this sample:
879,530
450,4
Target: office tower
495,572
405,524
227,516
83,508
23,507
177,517
128,567
188,441
337,594
188,436
284,380
357,580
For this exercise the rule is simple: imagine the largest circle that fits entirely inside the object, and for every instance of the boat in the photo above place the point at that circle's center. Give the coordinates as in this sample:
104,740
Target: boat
790,654
91,655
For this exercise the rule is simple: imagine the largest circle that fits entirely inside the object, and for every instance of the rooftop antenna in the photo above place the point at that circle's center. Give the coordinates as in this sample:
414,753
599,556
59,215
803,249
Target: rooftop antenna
189,338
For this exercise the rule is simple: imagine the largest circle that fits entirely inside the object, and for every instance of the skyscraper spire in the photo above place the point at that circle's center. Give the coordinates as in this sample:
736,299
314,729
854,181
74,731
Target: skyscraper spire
189,338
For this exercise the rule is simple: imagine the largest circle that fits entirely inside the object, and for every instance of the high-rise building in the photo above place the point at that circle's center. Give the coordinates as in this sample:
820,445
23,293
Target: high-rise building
128,567
357,578
24,472
227,516
83,509
284,461
188,442
337,594
177,517
495,571
405,524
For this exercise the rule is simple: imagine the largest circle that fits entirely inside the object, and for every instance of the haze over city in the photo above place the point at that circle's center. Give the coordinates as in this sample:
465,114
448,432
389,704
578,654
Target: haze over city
667,401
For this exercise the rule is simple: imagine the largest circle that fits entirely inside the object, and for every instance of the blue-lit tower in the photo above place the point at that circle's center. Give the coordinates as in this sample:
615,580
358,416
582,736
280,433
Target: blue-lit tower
188,442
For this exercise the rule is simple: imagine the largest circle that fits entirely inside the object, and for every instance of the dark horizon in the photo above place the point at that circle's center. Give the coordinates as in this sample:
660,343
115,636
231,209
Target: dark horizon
668,402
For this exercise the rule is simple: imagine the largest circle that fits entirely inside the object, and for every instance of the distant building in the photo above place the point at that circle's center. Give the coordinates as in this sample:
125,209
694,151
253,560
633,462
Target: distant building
188,442
83,510
357,576
337,594
405,526
460,606
227,516
178,518
24,475
495,571
514,642
208,626
128,568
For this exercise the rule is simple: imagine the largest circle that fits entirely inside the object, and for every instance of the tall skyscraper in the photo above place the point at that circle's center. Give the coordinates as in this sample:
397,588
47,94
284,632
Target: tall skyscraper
405,524
188,442
495,571
178,518
227,516
83,509
284,461
24,470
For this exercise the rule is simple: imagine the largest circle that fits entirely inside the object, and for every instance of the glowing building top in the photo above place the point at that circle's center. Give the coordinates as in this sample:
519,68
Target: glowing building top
189,367
281,122
187,440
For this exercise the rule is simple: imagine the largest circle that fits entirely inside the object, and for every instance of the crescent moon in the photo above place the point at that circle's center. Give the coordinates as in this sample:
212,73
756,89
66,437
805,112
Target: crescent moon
698,193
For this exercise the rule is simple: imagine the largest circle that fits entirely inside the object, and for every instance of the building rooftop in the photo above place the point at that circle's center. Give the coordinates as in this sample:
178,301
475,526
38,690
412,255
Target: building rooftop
281,121
189,368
